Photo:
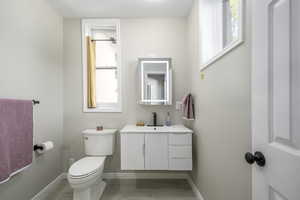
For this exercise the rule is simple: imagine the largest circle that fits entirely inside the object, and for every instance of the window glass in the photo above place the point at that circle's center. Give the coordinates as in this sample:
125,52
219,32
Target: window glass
231,31
106,66
106,86
105,54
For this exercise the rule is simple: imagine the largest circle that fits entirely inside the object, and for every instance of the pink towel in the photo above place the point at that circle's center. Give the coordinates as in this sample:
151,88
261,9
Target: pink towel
188,107
16,137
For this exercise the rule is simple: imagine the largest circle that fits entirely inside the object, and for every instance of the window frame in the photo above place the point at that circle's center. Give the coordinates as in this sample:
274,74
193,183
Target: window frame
87,26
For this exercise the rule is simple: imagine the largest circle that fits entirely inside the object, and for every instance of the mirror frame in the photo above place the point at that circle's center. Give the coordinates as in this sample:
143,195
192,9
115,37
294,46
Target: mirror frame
231,46
168,62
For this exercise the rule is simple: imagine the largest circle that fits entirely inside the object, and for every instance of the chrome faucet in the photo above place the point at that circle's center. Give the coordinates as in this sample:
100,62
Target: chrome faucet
154,118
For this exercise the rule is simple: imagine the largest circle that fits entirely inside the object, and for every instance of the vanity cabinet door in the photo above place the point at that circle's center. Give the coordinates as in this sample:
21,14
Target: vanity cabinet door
156,156
133,151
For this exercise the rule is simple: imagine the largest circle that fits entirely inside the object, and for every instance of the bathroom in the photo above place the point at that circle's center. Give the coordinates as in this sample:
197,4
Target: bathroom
44,56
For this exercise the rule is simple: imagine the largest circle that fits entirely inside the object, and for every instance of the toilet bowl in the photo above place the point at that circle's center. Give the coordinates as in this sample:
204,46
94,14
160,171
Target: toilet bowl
85,175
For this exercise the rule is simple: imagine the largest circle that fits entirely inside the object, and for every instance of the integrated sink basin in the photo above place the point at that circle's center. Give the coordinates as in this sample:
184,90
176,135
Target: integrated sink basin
156,129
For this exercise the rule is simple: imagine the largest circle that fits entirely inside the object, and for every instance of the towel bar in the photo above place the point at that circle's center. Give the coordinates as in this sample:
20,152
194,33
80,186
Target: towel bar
35,102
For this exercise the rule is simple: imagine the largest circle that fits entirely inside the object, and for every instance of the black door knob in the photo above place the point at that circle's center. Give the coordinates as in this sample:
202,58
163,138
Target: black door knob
258,157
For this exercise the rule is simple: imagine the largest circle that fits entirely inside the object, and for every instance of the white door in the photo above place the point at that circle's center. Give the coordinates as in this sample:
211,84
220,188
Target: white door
156,156
276,99
132,152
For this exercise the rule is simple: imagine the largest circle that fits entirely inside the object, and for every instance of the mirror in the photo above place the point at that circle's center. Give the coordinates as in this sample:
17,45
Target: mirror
155,81
221,28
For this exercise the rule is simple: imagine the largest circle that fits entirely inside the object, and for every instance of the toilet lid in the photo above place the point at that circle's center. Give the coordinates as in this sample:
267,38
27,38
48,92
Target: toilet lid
86,166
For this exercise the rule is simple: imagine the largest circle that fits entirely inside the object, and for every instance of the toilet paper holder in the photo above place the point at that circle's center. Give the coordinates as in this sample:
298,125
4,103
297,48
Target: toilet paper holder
37,147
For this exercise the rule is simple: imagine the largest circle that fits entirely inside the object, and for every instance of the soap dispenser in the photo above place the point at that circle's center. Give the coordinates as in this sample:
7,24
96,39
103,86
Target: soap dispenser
168,120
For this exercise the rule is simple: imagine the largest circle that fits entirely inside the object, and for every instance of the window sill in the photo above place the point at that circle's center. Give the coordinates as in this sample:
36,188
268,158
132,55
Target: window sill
102,110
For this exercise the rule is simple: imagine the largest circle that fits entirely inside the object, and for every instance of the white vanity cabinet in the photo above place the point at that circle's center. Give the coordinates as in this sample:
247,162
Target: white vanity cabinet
161,148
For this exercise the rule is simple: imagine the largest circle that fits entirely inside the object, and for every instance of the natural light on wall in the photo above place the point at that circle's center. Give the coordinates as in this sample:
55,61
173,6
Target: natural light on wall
107,64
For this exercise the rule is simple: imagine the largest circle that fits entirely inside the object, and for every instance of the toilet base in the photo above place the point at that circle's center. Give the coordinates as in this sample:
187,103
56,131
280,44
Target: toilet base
92,193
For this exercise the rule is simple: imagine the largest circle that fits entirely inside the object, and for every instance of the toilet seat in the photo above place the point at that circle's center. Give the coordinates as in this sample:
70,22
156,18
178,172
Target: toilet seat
86,167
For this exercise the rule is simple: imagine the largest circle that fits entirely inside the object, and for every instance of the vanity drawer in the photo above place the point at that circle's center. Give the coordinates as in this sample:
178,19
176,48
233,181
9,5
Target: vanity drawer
180,139
180,152
182,164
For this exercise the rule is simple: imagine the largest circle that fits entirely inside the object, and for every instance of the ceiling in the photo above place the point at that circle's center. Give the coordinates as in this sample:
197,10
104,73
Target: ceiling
122,8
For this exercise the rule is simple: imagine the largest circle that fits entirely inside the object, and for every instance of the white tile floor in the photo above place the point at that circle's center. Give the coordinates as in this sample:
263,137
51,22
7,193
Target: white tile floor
140,189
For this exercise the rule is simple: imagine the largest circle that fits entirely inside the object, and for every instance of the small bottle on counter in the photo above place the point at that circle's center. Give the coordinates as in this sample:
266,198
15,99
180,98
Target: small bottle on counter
168,120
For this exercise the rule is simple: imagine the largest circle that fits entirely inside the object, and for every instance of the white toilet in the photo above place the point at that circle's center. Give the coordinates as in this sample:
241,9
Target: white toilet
85,175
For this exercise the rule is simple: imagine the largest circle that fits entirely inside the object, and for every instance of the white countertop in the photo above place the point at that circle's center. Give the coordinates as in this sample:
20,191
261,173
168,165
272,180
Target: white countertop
159,129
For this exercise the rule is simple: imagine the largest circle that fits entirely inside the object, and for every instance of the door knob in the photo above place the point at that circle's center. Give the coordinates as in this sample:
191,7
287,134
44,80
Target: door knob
258,157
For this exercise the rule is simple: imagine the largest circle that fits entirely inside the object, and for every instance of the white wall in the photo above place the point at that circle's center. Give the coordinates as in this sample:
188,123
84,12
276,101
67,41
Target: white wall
31,67
222,125
162,37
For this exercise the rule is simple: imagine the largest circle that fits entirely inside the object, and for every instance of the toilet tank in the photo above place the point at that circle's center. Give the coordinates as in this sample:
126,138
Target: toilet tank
99,143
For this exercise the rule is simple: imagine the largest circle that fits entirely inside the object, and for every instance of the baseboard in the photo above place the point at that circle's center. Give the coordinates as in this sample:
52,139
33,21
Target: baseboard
125,175
51,187
194,188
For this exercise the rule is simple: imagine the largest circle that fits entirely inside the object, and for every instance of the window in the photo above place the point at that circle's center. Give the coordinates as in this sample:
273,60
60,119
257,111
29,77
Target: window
221,28
105,36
